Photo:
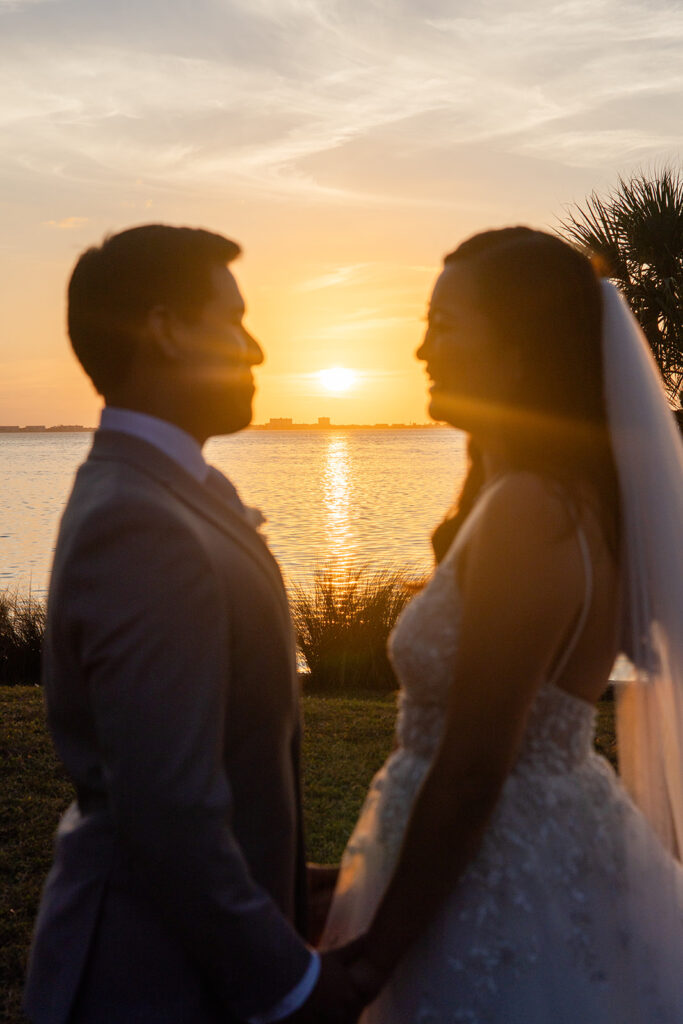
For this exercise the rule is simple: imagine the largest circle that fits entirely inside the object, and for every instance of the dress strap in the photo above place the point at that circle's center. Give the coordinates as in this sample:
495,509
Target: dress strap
587,599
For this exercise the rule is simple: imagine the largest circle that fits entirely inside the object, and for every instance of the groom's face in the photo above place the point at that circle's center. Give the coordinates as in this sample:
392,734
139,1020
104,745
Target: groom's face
218,356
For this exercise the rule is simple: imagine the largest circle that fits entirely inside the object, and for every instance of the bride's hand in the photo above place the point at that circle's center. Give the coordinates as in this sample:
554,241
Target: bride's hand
367,978
322,879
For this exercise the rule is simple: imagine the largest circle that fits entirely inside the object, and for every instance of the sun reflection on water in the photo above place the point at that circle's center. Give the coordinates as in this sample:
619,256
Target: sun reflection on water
337,492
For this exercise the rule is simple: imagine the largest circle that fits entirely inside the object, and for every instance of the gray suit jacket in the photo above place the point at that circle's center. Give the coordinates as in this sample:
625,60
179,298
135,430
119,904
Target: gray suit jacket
169,674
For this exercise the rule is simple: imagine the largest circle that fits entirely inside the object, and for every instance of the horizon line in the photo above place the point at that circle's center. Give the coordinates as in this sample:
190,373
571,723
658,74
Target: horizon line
275,423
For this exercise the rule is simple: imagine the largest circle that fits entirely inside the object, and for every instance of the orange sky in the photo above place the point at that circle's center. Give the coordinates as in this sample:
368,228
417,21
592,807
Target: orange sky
346,146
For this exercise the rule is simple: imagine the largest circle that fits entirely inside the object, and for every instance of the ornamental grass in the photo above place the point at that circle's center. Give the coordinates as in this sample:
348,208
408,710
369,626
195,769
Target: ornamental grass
343,623
22,626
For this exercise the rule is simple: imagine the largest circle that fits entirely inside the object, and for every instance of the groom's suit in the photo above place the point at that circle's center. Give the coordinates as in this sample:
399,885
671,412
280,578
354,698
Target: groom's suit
172,700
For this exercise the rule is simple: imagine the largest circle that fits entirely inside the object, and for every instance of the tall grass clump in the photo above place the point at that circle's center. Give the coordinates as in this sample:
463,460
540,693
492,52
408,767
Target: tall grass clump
22,625
342,626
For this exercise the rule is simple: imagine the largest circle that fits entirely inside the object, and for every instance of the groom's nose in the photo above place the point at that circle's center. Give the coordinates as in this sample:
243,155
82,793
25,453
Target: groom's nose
254,350
254,353
244,349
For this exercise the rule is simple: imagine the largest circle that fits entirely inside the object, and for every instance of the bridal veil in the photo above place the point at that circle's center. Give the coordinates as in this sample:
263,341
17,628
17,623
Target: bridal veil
649,458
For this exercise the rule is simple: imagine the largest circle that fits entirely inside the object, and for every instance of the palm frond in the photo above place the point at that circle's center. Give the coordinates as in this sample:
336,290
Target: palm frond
636,231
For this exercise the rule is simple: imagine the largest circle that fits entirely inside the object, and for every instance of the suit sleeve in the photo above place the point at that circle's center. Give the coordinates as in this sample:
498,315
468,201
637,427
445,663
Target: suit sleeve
153,638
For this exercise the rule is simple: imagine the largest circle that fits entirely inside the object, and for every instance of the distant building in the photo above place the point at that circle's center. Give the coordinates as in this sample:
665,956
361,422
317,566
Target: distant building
325,423
68,428
10,430
34,428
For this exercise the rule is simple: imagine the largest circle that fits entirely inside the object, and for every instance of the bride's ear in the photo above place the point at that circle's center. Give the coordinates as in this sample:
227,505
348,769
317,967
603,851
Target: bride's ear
515,366
511,373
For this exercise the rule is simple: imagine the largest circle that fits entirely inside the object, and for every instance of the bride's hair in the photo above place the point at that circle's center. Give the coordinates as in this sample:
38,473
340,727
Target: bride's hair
542,297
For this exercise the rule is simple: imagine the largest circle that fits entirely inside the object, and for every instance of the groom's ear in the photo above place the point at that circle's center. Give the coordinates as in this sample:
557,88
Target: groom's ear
160,333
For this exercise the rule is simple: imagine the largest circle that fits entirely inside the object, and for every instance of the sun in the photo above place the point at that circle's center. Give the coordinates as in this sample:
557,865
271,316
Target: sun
337,378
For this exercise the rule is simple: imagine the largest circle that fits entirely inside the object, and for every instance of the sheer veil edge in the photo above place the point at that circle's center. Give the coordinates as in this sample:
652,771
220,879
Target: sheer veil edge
649,458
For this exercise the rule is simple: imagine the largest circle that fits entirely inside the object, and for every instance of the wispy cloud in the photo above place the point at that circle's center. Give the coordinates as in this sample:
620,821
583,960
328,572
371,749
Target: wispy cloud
335,101
360,323
67,223
326,76
334,277
12,5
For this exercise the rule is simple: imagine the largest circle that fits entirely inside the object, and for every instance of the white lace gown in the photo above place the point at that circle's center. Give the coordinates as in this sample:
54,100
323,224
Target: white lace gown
571,911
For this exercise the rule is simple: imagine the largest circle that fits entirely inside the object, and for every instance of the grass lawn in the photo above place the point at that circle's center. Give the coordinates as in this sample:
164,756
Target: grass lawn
346,741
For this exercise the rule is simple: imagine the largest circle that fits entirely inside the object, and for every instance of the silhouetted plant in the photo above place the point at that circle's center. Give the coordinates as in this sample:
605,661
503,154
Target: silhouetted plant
342,627
22,626
636,231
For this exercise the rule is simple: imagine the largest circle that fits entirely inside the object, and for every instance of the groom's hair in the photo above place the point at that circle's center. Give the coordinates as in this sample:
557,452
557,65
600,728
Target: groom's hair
114,286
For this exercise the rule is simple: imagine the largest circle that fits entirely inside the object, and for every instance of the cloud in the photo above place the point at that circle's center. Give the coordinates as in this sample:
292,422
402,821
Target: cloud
67,223
324,100
360,324
334,277
13,5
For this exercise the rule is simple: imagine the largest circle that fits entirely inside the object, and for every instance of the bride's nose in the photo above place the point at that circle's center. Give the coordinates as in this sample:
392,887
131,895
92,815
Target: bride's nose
425,349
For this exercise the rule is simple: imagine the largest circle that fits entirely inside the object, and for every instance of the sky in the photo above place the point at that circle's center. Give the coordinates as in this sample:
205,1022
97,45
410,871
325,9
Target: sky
346,144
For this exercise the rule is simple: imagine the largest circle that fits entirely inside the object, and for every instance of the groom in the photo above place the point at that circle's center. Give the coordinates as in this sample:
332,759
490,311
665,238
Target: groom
178,889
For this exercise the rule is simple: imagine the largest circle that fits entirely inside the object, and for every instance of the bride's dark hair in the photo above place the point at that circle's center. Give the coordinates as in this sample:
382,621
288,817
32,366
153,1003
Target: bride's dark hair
543,298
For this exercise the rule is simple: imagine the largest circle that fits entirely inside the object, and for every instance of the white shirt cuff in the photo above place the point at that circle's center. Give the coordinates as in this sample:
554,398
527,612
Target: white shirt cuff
295,998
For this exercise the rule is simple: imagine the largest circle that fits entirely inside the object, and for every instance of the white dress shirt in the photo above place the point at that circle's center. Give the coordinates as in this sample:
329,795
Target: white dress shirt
184,449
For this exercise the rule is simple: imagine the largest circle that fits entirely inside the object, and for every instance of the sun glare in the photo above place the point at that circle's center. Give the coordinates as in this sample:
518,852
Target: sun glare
337,378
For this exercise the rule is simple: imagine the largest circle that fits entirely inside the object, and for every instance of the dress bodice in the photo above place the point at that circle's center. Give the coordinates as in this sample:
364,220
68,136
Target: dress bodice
423,648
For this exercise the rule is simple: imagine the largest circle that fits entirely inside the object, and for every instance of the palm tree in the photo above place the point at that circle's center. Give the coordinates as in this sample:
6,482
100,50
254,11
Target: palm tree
636,232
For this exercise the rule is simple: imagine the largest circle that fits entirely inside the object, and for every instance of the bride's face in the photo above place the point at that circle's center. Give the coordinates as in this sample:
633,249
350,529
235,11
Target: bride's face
460,352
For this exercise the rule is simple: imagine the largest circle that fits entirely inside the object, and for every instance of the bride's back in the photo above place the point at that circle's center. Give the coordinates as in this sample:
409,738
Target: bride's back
587,650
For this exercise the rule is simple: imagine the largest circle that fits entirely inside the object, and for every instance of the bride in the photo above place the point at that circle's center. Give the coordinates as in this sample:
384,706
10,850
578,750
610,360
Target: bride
500,871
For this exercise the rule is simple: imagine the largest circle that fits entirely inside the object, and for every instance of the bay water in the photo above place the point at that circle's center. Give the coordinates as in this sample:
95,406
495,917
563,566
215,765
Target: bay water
333,499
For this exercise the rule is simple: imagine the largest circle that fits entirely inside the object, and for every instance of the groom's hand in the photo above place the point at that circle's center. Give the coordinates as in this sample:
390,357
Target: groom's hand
335,998
322,879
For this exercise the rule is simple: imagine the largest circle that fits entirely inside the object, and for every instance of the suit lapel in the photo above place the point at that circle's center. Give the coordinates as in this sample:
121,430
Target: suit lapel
110,445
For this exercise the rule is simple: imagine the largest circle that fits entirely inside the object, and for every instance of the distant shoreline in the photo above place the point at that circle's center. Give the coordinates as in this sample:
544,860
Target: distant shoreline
344,426
77,429
40,429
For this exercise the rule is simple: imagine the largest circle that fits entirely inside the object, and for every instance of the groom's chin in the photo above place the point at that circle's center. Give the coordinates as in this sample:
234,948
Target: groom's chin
238,412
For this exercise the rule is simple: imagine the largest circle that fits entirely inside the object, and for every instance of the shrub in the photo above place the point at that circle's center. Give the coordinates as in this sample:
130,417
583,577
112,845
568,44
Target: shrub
343,624
22,625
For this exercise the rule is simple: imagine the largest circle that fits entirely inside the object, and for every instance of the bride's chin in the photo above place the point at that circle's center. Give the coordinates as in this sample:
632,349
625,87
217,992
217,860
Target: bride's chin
444,408
434,403
439,406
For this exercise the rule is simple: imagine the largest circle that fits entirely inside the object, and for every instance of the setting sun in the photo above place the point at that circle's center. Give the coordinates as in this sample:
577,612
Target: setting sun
337,378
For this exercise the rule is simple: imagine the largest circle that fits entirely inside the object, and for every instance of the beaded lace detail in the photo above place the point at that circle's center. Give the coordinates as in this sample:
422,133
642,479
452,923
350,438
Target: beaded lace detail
422,648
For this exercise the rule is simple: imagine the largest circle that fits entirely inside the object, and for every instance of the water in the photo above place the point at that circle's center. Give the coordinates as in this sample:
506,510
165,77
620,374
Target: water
339,498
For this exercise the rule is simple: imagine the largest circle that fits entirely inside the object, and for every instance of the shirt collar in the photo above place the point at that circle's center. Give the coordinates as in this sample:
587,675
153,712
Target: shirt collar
167,437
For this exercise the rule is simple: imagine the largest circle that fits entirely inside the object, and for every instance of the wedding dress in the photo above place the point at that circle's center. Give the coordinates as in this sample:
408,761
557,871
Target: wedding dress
572,910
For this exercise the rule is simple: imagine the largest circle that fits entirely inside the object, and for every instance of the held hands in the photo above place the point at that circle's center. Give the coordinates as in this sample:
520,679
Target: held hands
348,980
347,983
322,879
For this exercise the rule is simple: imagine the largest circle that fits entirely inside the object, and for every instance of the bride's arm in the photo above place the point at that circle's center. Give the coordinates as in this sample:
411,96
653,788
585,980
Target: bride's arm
521,584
